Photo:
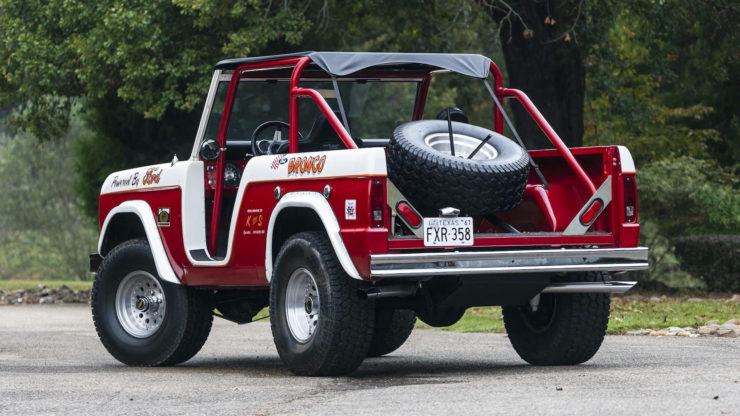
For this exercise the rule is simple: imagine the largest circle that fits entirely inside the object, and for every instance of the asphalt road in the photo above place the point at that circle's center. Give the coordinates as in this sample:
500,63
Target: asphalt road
52,363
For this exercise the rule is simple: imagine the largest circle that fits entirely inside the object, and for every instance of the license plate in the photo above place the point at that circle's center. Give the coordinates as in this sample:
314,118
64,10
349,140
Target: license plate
456,231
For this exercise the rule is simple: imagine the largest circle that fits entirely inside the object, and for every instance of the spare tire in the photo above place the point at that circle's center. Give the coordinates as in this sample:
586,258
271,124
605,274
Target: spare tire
421,165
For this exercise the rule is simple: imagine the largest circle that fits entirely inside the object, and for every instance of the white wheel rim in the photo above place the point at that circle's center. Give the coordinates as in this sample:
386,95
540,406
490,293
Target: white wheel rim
464,146
140,304
302,305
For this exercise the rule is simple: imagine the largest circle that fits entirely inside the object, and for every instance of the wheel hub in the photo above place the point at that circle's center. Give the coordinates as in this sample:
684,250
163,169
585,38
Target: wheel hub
140,304
464,146
302,306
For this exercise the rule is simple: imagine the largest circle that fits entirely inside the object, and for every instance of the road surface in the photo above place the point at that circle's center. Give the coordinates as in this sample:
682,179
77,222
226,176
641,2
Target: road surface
51,362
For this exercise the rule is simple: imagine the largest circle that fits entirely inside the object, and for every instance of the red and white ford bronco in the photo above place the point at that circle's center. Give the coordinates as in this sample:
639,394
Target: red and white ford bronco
317,187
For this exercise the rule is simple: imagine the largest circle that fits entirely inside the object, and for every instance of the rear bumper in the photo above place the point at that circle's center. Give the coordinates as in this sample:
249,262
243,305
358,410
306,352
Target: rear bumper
457,263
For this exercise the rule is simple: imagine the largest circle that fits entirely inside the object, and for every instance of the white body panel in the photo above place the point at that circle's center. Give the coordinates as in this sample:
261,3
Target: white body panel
185,175
625,158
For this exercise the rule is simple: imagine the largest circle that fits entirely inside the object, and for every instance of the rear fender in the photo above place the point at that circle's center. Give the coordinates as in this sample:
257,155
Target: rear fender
144,212
317,203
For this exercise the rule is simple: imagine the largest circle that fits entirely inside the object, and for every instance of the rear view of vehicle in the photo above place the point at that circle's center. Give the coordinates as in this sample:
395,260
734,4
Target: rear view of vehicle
327,187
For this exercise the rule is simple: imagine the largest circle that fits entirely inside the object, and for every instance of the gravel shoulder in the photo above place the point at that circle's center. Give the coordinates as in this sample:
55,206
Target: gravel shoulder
52,362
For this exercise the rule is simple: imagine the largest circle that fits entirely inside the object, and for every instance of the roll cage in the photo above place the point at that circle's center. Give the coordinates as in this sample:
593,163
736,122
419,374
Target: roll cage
334,65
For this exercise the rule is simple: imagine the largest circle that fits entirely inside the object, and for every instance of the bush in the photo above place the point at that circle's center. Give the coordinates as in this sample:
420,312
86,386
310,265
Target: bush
713,258
43,233
685,196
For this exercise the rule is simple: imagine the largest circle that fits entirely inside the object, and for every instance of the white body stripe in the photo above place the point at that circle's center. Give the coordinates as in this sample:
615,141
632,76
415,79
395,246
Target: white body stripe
318,203
625,159
357,162
144,212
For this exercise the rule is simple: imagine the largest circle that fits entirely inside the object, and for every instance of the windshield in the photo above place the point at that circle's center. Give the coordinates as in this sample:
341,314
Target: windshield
373,108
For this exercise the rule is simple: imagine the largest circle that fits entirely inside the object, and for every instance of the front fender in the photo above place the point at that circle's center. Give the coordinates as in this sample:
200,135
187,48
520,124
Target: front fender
142,210
316,202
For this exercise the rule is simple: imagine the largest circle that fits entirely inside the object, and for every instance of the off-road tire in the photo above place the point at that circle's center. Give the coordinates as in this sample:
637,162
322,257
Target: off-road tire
569,329
433,180
186,324
392,329
345,327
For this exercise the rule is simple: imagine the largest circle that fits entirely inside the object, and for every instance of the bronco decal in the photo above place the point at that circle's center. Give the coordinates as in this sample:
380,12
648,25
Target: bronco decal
306,164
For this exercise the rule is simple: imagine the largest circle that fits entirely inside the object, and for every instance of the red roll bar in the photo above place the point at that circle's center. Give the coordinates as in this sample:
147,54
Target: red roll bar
502,92
296,92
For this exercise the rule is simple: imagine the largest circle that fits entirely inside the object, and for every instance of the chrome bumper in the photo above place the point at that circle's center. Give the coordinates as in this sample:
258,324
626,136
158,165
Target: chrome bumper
457,263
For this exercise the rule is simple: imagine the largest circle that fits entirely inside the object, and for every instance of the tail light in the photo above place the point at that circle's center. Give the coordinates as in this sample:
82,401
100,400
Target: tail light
589,215
377,204
630,199
410,216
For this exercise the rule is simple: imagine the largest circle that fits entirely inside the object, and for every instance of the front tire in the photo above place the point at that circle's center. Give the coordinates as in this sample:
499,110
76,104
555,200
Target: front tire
566,329
142,320
320,325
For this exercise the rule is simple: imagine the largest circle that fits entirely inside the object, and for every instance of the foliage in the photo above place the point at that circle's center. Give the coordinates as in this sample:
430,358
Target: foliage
688,196
665,81
43,234
678,197
151,55
658,87
715,258
665,273
138,69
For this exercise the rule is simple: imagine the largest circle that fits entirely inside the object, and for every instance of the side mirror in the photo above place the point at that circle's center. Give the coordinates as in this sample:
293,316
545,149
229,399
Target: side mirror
209,150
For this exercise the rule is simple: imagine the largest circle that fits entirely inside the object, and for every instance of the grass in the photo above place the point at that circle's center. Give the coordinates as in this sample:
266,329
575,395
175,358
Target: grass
8,285
626,315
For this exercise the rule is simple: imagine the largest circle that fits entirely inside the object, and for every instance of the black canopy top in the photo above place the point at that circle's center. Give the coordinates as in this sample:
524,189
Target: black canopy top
345,63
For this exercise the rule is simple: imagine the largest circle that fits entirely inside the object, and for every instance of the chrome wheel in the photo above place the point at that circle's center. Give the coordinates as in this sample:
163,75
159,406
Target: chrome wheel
464,146
140,304
302,305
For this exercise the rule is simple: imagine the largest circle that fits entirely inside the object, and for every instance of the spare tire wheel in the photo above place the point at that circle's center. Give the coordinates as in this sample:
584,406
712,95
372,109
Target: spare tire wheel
421,165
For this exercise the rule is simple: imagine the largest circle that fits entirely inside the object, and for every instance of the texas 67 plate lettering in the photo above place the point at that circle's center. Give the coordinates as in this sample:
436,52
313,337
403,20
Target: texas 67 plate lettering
448,231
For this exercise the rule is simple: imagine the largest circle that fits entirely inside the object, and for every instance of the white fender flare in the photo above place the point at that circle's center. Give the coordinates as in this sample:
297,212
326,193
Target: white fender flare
144,212
318,204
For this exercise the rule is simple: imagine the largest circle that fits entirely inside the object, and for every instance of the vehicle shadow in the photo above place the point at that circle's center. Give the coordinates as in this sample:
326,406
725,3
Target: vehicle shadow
387,371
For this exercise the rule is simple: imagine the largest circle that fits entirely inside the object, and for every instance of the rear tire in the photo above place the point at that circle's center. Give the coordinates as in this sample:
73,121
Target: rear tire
320,325
392,329
566,329
163,325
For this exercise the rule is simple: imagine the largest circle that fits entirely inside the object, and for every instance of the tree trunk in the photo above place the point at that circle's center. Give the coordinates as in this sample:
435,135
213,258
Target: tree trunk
550,71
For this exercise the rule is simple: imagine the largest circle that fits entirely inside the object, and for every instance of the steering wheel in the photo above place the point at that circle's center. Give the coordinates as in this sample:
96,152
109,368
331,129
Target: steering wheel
264,144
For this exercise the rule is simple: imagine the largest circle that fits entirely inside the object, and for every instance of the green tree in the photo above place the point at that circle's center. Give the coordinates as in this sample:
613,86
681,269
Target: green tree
138,69
665,81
